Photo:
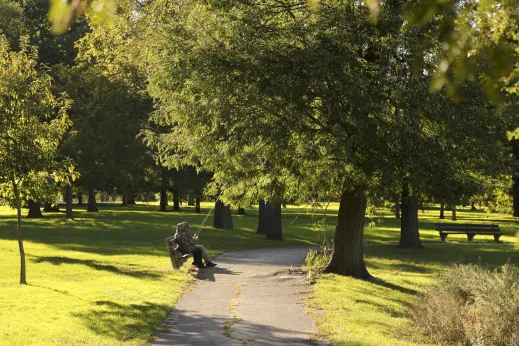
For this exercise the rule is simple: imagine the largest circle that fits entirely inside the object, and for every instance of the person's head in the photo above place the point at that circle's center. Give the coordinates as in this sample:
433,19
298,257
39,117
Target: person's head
182,227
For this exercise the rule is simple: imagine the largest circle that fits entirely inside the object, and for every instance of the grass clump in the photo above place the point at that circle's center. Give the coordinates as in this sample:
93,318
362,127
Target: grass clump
471,305
316,261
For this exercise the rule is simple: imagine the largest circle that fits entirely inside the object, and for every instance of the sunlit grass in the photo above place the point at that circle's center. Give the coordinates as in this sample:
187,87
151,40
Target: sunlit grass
356,312
106,279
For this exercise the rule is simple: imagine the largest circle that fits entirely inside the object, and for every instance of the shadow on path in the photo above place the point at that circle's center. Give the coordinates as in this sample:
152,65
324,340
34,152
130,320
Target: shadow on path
215,332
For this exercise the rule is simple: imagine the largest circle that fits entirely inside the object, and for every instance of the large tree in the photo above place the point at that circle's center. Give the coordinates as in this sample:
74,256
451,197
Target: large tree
296,100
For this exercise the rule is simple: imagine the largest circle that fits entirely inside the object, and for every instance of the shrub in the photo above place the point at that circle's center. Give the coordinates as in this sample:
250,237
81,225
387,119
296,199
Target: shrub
316,261
472,305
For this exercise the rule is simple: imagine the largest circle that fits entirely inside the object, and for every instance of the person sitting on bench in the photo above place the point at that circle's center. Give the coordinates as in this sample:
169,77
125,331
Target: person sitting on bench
186,244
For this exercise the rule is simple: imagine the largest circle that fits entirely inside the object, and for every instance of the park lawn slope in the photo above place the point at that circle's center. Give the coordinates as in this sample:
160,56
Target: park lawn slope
106,278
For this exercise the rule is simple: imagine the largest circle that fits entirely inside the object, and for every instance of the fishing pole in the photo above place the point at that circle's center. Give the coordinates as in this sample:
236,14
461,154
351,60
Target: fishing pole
206,217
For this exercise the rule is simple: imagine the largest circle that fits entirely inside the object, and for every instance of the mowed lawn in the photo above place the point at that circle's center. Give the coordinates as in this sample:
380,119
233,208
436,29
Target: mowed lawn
355,312
106,278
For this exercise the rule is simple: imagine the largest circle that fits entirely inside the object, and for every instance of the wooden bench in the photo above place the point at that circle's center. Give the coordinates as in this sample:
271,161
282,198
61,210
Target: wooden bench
469,229
177,258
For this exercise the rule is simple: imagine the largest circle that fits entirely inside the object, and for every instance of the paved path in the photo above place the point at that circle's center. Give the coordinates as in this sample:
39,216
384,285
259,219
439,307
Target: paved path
251,298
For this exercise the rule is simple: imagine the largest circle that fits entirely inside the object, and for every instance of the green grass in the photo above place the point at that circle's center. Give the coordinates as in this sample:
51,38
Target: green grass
356,312
106,278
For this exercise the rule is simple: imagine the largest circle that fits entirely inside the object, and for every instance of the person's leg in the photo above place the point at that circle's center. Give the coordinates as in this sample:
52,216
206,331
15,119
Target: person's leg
197,257
205,255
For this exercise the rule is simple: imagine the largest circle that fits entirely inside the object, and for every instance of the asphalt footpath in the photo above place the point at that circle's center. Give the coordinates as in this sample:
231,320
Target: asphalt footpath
252,297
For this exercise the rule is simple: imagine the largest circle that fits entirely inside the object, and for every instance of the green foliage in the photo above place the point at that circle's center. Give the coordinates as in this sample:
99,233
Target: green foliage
474,39
471,305
53,49
33,121
316,261
256,97
109,111
11,24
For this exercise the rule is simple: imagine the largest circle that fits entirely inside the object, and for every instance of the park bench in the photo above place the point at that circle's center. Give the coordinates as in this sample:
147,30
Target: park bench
177,258
469,229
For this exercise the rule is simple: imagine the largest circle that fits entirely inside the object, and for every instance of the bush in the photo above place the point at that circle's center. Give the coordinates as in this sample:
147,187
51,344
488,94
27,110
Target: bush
316,261
472,305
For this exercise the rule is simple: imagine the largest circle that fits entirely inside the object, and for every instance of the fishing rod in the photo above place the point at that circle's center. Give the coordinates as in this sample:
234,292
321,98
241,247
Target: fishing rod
206,217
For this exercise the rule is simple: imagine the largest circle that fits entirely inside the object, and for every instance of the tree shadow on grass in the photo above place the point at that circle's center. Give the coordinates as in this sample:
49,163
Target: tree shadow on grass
56,260
124,321
392,286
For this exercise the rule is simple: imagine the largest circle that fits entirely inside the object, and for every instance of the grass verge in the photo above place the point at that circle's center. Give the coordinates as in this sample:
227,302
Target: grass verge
356,312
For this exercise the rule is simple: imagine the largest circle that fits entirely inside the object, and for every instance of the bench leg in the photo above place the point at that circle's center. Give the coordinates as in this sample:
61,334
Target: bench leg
496,237
470,236
443,236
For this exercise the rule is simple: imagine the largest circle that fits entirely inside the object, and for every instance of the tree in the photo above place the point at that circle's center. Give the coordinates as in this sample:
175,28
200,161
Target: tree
33,122
11,24
294,101
222,216
109,111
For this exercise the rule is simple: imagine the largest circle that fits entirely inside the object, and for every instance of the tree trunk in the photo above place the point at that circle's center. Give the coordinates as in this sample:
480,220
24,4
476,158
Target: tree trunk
68,200
409,235
190,201
23,275
163,199
473,206
222,216
124,202
176,200
241,211
516,196
197,204
80,198
397,209
261,218
442,211
92,205
348,258
130,198
49,208
453,208
34,210
273,227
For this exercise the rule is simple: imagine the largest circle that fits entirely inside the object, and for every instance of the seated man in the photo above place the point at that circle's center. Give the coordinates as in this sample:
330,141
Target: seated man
186,244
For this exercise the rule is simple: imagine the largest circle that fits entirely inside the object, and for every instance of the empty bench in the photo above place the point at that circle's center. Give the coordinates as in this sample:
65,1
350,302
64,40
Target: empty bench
177,258
469,229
